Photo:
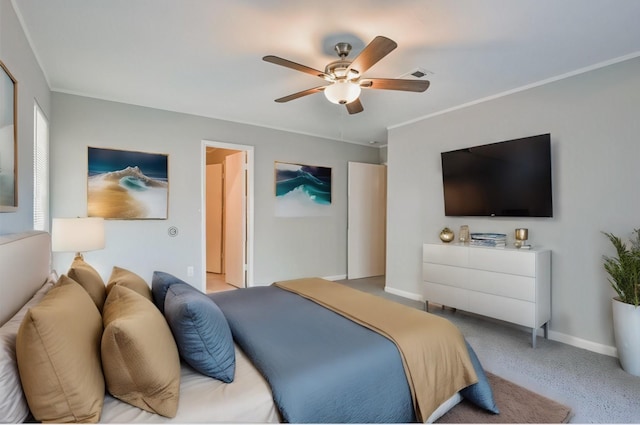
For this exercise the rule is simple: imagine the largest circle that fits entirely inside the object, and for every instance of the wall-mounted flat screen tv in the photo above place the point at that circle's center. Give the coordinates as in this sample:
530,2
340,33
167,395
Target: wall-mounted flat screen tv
504,179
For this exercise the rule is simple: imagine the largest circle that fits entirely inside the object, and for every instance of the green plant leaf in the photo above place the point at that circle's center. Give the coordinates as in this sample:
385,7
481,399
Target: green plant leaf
624,269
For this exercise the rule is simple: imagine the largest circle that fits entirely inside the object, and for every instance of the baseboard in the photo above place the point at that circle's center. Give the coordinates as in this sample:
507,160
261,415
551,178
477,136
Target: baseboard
404,294
337,277
607,350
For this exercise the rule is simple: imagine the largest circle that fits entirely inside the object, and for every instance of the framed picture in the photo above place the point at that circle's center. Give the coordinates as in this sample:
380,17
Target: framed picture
127,185
8,141
302,190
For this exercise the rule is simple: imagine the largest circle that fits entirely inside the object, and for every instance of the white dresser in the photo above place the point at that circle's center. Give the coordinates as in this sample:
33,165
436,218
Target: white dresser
504,283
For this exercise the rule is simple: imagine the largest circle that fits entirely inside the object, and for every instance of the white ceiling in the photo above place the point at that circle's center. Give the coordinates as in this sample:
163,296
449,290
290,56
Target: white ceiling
204,57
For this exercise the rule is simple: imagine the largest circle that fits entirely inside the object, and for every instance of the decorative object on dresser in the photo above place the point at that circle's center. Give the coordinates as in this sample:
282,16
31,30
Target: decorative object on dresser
489,239
506,284
446,235
521,238
624,277
463,235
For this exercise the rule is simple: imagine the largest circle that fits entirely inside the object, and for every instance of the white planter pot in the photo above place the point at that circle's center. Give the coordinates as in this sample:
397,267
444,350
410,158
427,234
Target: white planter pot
626,329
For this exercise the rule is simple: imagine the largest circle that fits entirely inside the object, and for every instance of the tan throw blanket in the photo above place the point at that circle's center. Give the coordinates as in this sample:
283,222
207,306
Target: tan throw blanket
433,351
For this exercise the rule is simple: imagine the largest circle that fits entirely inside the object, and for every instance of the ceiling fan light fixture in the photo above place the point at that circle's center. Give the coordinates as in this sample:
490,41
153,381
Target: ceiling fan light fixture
342,92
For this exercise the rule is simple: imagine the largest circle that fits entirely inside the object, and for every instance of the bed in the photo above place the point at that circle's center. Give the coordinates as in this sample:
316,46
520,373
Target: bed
296,356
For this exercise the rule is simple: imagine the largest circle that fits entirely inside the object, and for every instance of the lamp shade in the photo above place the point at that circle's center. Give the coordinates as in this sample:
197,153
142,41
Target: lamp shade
77,234
342,92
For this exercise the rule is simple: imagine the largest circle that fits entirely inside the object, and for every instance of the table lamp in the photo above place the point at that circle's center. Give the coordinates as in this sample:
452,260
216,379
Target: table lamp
77,234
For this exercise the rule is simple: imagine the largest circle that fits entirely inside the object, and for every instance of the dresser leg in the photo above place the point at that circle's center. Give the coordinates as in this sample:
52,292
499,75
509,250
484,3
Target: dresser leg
534,334
426,306
546,330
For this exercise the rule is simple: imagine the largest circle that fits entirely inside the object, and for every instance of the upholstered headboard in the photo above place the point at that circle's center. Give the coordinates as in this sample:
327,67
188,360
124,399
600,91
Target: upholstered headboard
25,263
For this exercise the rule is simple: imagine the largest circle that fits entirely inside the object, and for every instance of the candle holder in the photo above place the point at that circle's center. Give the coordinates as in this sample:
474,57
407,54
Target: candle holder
521,238
463,235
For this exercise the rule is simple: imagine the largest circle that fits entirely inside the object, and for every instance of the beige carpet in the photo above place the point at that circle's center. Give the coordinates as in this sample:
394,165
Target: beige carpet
516,405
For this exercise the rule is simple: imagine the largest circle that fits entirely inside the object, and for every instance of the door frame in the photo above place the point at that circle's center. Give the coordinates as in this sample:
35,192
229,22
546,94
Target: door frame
249,151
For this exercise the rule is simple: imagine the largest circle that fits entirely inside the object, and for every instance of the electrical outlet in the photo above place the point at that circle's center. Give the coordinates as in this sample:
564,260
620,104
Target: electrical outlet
190,271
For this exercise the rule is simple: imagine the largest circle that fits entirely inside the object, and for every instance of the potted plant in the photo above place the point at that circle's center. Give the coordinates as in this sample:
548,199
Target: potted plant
624,277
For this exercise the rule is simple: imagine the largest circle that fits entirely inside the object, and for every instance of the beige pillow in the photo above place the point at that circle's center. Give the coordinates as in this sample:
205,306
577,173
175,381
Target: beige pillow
128,279
89,279
58,352
13,404
139,355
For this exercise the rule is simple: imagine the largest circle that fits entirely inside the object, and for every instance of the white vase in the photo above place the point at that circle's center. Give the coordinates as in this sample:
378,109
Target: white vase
626,329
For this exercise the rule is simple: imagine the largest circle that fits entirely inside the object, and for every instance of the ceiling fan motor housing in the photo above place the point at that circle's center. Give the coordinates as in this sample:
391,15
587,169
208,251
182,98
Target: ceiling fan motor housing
340,70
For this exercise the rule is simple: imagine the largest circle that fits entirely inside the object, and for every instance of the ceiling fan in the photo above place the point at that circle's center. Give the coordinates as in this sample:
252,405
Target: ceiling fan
345,76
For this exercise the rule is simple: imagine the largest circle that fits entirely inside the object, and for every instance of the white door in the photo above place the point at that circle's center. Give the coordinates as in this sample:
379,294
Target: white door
214,201
235,219
367,216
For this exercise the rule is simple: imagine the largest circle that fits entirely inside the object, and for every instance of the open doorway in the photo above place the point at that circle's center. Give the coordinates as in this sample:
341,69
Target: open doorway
227,215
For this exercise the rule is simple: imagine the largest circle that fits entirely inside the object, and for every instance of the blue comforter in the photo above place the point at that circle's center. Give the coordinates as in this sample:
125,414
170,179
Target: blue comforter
321,366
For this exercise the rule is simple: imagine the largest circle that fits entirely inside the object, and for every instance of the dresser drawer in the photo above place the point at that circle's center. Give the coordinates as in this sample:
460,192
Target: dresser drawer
445,275
446,295
451,255
506,285
520,262
507,309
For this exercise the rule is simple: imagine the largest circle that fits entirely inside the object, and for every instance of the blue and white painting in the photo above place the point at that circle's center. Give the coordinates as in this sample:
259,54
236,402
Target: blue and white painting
127,185
302,190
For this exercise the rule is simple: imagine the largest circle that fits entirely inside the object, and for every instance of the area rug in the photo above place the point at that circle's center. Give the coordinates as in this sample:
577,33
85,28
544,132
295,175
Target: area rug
516,405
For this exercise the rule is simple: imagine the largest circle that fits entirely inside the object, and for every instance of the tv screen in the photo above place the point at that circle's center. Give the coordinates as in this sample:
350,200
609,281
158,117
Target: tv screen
505,179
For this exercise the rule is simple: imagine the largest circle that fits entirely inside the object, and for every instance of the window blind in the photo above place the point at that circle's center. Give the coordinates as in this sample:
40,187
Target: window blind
40,171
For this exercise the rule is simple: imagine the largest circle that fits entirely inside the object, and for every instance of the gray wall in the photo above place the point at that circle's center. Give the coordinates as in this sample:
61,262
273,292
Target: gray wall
284,247
17,56
595,130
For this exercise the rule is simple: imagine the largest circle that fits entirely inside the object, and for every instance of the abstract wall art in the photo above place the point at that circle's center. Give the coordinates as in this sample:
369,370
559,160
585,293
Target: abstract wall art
127,185
302,190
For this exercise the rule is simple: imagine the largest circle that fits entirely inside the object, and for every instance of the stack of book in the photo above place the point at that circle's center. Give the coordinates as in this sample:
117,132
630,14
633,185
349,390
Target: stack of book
488,239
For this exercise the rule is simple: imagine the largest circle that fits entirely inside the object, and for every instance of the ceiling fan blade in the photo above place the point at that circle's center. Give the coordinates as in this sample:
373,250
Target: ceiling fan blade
289,64
354,107
372,53
394,84
300,94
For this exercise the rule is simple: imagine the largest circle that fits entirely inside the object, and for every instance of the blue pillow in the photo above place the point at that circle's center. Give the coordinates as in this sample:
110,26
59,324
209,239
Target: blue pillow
201,332
479,393
159,285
